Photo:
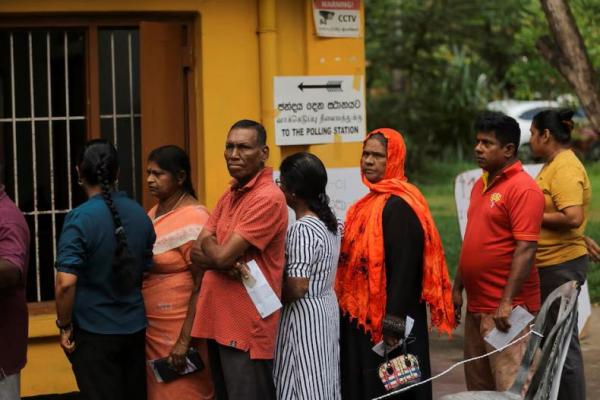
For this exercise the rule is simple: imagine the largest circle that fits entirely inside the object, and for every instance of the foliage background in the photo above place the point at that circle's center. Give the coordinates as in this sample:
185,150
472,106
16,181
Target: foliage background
434,64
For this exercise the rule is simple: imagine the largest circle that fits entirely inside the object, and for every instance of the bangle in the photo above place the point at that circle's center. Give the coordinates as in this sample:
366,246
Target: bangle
62,326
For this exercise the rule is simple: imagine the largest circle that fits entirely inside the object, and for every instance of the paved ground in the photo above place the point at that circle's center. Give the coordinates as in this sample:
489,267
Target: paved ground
446,352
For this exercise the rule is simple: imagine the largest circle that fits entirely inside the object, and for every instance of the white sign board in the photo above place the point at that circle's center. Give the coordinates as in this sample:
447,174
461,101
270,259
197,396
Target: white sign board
337,18
316,109
344,188
462,195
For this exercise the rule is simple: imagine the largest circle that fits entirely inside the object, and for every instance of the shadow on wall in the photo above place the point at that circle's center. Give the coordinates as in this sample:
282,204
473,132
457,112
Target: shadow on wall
64,396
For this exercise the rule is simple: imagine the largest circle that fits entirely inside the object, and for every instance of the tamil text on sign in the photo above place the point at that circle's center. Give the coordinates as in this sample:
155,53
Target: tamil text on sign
317,109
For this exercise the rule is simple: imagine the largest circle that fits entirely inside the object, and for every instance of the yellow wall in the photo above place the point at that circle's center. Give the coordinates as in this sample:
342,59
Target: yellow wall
228,88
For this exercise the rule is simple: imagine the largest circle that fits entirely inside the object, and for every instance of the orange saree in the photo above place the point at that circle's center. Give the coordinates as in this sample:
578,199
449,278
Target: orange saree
166,292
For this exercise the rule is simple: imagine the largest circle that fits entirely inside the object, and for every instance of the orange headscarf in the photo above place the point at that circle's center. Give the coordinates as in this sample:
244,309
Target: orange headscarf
361,280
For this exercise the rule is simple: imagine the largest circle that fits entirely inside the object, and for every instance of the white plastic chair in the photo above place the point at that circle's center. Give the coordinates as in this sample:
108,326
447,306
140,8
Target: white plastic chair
553,351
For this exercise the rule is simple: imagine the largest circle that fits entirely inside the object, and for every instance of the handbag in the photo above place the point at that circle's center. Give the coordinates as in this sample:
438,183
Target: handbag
399,371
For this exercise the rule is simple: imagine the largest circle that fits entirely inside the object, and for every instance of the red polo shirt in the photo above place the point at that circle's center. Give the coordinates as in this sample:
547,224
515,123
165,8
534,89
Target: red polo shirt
225,313
508,209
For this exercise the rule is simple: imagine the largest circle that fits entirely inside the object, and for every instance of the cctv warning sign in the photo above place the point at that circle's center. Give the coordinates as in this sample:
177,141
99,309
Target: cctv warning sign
337,18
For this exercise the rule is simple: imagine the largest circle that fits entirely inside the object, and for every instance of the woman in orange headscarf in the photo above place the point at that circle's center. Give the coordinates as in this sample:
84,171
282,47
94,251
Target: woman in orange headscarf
391,265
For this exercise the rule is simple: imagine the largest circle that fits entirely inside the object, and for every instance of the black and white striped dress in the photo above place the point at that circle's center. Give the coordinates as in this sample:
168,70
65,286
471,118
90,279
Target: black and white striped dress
307,353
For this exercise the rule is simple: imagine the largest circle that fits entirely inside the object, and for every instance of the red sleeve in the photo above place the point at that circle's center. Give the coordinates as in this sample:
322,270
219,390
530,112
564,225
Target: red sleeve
262,220
526,212
211,224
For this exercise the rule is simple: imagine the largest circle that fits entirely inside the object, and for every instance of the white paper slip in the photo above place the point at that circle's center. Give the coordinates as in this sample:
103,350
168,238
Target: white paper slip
379,348
264,298
409,325
519,318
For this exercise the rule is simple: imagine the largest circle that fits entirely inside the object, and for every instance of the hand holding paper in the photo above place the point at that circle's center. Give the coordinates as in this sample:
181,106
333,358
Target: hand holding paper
259,290
518,320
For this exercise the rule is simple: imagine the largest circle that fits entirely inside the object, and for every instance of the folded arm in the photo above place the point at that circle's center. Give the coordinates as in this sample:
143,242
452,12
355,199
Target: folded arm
207,253
567,218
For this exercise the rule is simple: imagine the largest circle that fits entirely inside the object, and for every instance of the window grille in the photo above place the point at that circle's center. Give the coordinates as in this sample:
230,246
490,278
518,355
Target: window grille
44,124
120,101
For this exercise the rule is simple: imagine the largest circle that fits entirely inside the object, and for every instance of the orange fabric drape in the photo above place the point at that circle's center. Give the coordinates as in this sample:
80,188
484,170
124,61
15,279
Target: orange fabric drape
167,290
361,279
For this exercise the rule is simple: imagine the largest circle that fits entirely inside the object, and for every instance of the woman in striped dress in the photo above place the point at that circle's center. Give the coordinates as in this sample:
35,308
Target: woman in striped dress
307,353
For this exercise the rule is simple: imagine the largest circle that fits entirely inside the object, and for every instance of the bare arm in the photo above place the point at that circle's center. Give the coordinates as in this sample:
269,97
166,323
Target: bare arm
197,255
225,256
65,297
182,344
294,289
519,272
567,218
457,295
10,275
593,249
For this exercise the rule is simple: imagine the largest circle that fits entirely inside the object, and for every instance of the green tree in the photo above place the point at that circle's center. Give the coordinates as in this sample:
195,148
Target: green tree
434,64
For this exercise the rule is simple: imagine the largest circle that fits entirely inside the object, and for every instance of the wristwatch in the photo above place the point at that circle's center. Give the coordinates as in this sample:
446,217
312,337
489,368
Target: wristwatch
62,326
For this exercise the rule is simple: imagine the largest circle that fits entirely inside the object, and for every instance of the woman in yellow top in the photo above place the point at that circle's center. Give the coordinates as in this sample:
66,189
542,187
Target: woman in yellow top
561,254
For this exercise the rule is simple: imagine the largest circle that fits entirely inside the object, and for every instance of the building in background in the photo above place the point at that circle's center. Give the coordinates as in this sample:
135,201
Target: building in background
144,74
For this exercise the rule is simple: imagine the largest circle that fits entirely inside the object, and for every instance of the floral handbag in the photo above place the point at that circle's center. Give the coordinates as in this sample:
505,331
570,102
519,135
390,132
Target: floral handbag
400,371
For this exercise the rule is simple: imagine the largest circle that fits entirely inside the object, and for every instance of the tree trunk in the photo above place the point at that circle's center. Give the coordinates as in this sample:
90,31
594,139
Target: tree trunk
566,52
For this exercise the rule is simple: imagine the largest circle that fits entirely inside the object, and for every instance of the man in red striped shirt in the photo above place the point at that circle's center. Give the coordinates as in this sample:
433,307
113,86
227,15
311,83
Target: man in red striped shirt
249,223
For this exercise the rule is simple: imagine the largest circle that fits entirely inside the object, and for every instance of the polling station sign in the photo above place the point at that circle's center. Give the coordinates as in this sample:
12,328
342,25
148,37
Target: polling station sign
337,18
319,109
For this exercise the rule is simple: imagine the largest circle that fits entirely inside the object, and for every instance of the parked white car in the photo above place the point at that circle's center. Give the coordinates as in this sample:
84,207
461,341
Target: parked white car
523,112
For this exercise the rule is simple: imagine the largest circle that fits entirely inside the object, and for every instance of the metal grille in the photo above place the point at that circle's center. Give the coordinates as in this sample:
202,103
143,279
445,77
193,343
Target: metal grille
43,126
120,101
41,120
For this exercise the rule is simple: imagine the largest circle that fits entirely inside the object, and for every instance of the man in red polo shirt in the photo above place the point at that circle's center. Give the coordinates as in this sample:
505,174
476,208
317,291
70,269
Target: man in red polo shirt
249,223
496,262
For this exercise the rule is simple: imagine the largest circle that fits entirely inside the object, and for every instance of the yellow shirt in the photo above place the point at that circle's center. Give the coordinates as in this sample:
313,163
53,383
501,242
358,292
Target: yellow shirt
564,183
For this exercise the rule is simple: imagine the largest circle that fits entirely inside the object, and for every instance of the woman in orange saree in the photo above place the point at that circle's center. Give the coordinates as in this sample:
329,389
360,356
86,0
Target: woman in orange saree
170,290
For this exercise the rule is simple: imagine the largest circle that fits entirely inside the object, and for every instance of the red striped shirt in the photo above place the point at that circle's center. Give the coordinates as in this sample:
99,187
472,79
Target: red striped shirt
225,313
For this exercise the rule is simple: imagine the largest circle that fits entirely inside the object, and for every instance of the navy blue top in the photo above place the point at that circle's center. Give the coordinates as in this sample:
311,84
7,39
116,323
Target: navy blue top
86,248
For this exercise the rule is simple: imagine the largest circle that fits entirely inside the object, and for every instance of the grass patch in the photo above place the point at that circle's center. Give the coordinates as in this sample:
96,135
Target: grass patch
593,229
437,184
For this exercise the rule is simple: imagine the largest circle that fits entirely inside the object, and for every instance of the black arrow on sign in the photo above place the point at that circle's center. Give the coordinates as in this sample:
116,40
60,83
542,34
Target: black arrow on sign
331,86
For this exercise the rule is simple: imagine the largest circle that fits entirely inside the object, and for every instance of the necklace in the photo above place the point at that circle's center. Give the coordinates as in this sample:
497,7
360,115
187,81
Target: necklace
174,206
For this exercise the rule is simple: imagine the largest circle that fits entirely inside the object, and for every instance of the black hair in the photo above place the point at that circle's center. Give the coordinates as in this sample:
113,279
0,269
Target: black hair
558,122
174,159
504,127
380,138
261,133
304,175
98,165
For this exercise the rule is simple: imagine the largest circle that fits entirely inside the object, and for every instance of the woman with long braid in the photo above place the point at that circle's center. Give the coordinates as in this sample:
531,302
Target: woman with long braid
307,354
104,248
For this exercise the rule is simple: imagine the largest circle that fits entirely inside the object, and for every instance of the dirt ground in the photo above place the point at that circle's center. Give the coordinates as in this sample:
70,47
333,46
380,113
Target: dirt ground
444,353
